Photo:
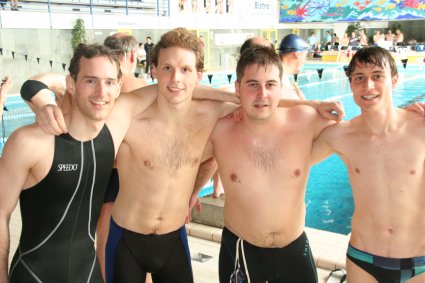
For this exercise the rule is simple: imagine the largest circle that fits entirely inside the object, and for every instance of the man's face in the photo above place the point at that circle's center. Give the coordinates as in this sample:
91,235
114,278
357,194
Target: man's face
96,88
372,86
259,91
176,74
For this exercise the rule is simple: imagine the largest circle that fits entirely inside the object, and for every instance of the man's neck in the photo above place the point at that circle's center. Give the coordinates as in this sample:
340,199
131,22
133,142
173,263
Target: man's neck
83,129
175,111
380,122
257,127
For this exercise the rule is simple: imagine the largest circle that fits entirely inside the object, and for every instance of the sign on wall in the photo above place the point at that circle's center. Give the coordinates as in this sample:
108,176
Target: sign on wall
345,10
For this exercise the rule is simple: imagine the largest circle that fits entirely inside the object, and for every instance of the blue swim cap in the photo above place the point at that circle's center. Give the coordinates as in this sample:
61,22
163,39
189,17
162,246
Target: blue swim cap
292,43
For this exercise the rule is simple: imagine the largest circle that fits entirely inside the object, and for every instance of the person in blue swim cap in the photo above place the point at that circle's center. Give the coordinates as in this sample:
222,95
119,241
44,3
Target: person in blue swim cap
293,54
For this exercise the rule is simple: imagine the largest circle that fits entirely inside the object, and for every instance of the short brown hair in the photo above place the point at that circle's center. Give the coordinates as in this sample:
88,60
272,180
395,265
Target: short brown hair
91,51
182,38
374,55
258,55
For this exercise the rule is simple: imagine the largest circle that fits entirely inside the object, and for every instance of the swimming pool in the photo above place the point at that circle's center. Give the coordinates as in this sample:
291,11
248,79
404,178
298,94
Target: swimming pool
328,198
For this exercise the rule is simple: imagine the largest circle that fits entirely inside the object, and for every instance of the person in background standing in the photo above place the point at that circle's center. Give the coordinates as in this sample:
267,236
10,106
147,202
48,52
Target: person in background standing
335,40
399,37
363,38
312,40
141,58
328,39
148,47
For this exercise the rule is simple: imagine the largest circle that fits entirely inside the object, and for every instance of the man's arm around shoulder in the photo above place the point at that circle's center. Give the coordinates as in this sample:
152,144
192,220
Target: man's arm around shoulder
323,145
37,91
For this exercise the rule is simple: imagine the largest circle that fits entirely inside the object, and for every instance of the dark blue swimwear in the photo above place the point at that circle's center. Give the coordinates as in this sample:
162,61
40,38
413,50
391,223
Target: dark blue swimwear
387,270
293,263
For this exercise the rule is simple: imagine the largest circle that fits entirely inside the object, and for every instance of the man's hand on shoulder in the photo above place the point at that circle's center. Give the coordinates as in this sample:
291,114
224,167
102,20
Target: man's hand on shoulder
50,119
332,110
418,107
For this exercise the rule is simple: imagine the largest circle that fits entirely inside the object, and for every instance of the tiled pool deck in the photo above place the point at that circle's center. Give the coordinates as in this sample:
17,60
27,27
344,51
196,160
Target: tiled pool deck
328,249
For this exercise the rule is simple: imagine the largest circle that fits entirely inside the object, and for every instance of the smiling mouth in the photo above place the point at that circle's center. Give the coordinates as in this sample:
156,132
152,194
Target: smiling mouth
101,103
175,89
370,97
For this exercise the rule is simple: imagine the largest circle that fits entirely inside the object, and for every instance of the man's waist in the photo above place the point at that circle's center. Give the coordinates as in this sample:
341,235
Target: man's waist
389,243
149,225
266,237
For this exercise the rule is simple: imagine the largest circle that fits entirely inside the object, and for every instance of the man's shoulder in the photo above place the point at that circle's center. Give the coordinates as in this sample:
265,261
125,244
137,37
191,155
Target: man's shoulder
131,83
412,118
29,137
301,111
206,106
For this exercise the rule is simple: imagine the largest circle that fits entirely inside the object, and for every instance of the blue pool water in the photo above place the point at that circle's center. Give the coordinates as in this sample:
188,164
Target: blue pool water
328,198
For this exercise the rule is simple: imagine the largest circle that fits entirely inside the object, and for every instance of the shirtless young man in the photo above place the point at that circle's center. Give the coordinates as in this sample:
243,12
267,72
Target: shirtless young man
399,37
60,181
265,178
384,151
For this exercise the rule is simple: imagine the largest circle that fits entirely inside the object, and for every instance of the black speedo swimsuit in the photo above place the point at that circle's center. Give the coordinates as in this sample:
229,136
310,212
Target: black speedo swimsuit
60,213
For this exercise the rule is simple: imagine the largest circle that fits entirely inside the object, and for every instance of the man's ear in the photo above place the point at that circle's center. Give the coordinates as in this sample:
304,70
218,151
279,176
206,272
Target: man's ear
394,80
70,85
133,56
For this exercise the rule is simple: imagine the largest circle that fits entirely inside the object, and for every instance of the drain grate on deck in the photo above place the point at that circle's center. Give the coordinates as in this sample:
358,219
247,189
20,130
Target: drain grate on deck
200,257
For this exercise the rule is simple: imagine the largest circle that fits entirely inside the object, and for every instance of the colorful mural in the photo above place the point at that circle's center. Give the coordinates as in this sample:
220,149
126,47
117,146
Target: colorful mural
350,11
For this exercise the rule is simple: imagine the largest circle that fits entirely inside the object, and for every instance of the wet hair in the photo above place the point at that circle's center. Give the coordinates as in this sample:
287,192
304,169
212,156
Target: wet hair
375,55
250,42
121,43
181,38
89,51
258,55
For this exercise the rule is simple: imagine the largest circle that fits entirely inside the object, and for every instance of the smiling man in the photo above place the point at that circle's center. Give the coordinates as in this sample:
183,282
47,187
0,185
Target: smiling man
158,162
264,165
60,181
384,151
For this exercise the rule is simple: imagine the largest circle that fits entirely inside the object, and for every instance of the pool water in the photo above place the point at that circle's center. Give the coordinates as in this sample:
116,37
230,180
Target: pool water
328,198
